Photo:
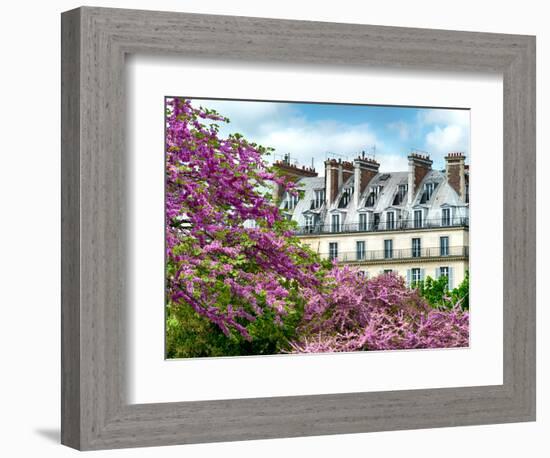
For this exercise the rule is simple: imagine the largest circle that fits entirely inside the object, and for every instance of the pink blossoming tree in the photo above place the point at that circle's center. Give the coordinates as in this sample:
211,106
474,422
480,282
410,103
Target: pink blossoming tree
231,257
351,313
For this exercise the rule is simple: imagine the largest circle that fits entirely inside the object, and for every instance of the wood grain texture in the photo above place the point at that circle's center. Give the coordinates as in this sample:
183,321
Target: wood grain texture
95,412
70,229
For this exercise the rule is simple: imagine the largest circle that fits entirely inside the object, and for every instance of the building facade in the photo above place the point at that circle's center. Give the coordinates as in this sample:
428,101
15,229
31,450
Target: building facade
413,222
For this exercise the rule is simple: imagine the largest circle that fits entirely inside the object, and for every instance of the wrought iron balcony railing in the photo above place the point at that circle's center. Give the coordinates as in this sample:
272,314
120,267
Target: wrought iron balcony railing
397,254
399,225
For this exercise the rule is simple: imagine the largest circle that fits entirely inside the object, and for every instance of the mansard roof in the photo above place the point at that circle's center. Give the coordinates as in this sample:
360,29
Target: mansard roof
387,184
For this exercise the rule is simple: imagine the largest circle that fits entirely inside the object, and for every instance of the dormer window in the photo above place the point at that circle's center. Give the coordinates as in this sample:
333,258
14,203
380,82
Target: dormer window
401,193
319,199
346,197
428,191
309,223
336,226
290,201
363,221
417,219
390,220
373,195
445,216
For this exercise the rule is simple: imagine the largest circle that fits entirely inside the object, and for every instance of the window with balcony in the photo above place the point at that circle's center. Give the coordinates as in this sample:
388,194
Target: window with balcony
416,249
360,250
309,224
335,223
390,220
417,219
363,222
333,250
445,216
388,249
444,246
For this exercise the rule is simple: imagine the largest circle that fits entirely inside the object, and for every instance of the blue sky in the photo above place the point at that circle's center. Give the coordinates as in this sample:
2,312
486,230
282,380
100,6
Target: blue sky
315,131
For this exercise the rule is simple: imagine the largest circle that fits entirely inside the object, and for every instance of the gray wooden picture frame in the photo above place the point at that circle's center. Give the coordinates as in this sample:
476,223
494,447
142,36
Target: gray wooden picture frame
95,41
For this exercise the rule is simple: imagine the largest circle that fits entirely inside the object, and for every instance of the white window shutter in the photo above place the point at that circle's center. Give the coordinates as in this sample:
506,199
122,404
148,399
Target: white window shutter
437,272
422,272
408,278
451,284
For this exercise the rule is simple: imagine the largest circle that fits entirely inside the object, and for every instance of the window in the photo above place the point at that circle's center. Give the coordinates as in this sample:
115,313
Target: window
336,223
333,250
309,223
388,249
402,191
429,190
417,218
360,250
376,221
388,271
390,220
363,222
290,201
444,272
416,250
346,197
445,216
319,198
444,246
416,275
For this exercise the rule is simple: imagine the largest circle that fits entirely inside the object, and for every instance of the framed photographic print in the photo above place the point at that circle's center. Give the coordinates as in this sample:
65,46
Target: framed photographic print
288,228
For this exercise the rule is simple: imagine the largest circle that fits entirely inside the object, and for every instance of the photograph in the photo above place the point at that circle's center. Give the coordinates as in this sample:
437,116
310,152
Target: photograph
296,227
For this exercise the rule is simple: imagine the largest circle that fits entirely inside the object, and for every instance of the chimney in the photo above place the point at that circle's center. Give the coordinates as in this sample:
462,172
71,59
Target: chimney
331,180
456,173
419,166
364,170
337,172
291,172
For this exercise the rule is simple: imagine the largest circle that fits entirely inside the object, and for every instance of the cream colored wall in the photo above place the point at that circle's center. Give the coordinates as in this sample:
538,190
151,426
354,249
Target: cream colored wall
401,240
375,241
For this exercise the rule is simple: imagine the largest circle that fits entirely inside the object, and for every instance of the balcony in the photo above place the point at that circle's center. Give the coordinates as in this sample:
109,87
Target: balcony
400,254
399,225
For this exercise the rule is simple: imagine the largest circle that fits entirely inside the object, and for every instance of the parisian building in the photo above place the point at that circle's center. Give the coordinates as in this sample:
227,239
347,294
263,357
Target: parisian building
414,222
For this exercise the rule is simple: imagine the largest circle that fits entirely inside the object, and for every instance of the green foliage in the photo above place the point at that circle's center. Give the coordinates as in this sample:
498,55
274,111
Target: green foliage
190,335
461,294
437,294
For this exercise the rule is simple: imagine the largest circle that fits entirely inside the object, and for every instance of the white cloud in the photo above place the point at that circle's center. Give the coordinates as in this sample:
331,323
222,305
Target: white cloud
279,126
442,140
445,117
392,163
402,128
448,131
